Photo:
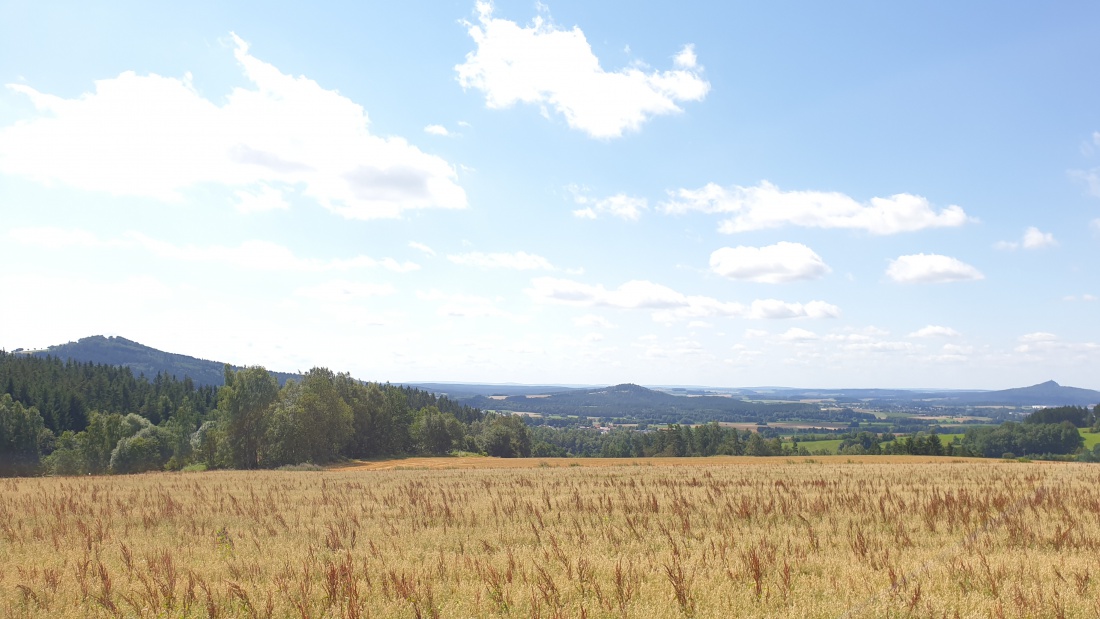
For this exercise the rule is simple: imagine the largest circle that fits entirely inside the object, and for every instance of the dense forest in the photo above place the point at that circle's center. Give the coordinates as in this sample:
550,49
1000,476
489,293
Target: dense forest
64,417
69,418
66,392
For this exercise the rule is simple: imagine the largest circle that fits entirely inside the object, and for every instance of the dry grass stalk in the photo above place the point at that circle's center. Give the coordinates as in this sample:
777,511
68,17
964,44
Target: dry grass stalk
702,538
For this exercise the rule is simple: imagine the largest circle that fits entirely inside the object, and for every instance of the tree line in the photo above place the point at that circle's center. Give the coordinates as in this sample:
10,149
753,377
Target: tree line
63,417
1043,433
670,441
65,392
130,424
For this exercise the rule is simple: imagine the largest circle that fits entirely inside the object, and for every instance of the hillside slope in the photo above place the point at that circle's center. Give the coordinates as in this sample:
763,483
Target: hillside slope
1049,393
143,359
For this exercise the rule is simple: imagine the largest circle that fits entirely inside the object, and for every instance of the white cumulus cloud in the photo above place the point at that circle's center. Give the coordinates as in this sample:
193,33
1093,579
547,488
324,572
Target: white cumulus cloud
935,331
1036,239
931,268
1037,342
520,261
1033,239
774,309
437,130
1038,336
619,205
157,137
766,206
686,59
794,334
544,65
772,264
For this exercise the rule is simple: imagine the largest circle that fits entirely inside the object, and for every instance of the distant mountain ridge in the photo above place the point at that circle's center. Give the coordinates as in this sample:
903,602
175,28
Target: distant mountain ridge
142,359
634,401
149,361
1049,393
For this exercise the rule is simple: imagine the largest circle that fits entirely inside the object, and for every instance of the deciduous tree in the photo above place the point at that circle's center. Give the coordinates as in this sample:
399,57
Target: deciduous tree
245,403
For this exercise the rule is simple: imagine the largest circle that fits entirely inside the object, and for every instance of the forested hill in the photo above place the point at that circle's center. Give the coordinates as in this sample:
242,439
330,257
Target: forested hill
141,359
634,401
1049,393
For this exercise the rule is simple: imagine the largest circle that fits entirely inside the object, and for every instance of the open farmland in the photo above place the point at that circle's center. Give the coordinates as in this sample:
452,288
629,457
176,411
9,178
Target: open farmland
822,537
1091,439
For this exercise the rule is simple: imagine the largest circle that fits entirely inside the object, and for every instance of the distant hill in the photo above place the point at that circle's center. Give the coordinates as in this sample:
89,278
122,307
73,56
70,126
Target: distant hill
143,359
697,403
637,402
1049,393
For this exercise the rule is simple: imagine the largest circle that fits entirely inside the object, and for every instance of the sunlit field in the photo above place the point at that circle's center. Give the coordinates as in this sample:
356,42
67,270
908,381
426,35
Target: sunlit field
475,537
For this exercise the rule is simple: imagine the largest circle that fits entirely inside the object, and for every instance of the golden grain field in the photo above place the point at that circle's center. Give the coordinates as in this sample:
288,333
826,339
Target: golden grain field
839,537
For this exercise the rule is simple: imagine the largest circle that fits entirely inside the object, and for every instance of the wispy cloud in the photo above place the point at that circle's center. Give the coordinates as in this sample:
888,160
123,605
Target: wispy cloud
464,305
422,247
766,206
1041,342
252,254
342,290
264,198
263,255
1090,178
668,305
592,320
49,237
519,261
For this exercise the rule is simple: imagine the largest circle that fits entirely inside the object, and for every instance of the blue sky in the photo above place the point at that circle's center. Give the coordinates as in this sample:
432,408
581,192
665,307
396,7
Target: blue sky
726,194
